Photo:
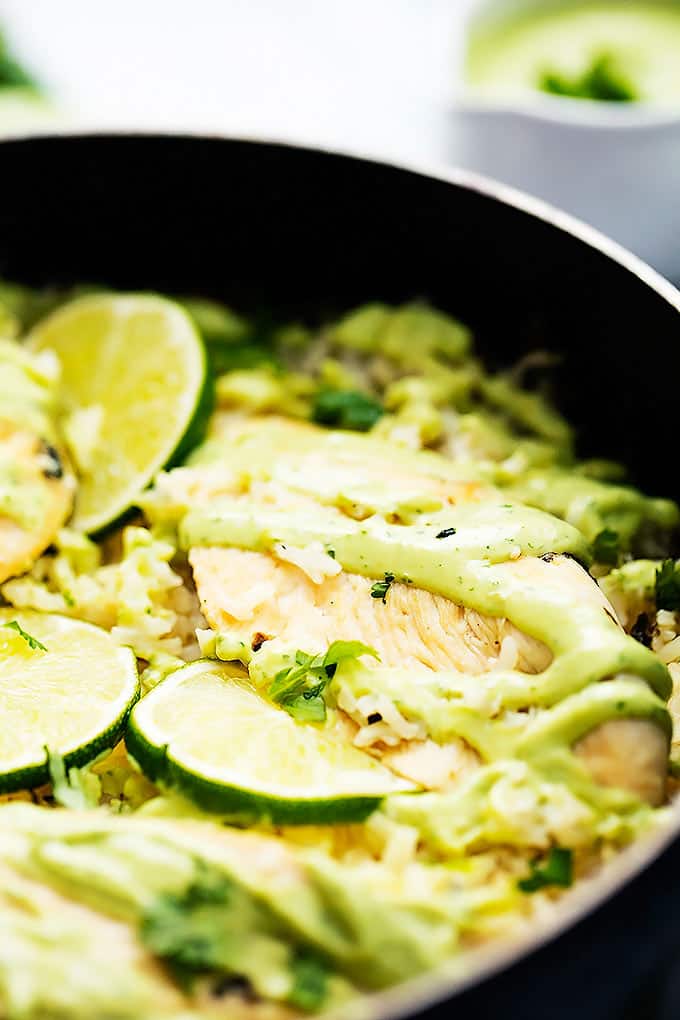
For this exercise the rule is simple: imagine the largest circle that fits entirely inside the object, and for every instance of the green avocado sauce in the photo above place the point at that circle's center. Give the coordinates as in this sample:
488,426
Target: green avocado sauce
27,404
609,51
237,904
472,566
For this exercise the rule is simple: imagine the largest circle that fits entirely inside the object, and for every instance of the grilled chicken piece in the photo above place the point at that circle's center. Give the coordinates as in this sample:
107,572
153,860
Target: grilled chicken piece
262,597
413,627
629,753
41,487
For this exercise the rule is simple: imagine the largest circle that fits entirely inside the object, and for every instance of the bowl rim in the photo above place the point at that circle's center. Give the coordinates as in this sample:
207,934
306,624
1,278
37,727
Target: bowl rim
435,987
435,169
586,114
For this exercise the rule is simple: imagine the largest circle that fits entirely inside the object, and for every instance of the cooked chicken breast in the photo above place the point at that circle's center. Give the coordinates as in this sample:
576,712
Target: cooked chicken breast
262,597
629,753
413,627
37,491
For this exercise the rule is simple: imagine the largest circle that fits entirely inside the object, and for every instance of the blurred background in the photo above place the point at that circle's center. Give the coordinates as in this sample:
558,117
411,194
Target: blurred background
575,101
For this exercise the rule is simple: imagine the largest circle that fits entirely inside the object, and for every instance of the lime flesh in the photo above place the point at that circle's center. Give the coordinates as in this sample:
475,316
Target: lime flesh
209,735
134,368
73,698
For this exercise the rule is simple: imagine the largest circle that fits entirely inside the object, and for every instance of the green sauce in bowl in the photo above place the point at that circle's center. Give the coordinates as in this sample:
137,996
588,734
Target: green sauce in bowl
605,51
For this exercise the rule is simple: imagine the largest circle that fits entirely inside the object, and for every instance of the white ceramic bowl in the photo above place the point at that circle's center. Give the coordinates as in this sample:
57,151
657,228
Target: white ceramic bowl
617,166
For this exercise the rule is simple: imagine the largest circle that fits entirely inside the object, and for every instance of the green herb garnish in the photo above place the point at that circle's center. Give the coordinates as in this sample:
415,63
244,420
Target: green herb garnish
214,926
606,547
180,928
32,642
557,869
346,409
310,983
379,589
299,688
667,586
602,80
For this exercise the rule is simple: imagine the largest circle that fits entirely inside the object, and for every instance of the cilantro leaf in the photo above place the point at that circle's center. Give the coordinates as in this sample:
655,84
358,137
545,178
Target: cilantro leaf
32,642
339,651
215,926
346,409
606,547
310,983
178,927
379,589
667,586
299,688
601,80
558,869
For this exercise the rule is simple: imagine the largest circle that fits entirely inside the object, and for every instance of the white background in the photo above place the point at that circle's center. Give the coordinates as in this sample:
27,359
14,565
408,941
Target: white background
378,75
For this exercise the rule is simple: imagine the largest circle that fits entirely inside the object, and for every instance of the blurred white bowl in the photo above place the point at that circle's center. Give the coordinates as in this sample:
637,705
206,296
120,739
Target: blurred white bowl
617,166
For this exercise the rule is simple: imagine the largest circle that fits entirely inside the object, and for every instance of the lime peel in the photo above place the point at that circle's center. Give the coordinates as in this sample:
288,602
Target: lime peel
73,698
139,362
209,735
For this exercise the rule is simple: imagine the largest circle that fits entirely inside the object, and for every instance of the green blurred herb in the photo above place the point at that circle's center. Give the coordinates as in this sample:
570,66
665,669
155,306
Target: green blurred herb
557,869
310,983
667,586
602,80
12,74
346,409
606,547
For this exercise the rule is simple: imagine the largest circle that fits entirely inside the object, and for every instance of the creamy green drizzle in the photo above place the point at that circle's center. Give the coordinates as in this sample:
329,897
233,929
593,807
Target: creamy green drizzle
473,566
27,403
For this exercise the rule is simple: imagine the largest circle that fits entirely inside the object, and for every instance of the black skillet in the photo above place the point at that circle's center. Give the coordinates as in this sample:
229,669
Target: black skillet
306,234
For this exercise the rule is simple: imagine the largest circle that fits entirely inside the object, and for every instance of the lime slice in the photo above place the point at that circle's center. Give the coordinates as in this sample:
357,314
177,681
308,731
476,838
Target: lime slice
209,735
134,381
64,685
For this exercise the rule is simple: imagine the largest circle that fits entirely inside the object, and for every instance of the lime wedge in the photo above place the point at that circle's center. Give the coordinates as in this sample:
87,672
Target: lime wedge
209,735
136,394
64,685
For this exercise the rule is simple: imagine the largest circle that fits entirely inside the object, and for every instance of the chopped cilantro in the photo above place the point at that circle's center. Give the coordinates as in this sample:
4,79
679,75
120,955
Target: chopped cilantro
379,589
32,642
558,869
606,547
299,688
446,533
601,80
215,926
181,928
310,983
346,409
667,585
